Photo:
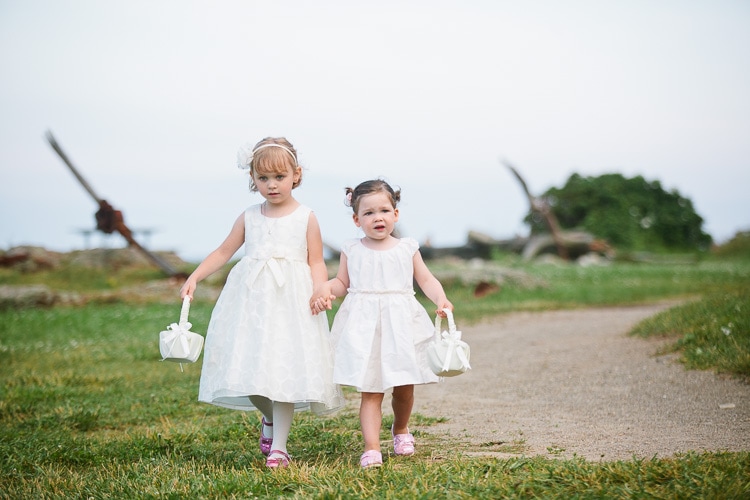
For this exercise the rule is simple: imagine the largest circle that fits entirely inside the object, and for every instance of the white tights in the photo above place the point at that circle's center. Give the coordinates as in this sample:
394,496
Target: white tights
280,415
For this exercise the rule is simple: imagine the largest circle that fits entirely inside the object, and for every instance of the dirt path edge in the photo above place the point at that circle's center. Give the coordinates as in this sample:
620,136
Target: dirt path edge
573,383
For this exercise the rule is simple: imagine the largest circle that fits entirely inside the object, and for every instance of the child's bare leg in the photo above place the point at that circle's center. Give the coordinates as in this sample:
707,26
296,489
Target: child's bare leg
371,418
402,404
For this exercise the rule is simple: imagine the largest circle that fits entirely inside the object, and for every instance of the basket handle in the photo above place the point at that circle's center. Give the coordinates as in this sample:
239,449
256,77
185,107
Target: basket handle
185,310
451,323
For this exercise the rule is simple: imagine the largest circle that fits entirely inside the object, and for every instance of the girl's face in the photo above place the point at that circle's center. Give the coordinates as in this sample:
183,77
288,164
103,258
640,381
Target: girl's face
276,187
376,216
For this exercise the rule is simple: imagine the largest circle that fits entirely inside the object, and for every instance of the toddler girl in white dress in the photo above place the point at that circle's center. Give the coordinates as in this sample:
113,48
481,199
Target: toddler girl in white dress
381,331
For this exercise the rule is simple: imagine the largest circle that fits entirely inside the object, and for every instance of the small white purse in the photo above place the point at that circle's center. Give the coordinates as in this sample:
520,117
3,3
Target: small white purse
447,354
177,343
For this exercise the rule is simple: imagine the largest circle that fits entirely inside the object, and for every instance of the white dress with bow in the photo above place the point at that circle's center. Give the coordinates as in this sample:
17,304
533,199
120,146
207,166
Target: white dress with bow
262,338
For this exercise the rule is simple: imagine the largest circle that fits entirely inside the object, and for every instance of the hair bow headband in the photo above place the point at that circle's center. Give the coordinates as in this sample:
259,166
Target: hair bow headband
244,159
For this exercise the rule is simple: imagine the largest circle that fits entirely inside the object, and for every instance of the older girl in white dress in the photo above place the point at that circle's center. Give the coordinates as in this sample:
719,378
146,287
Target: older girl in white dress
264,349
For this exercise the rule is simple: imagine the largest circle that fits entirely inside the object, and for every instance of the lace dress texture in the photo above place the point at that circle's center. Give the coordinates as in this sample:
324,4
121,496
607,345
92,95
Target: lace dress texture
262,338
381,331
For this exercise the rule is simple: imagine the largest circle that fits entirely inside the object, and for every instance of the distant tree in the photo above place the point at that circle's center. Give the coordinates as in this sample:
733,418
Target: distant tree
632,214
737,247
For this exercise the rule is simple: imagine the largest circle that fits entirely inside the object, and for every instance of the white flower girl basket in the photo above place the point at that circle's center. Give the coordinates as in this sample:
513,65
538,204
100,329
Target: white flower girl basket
447,354
177,343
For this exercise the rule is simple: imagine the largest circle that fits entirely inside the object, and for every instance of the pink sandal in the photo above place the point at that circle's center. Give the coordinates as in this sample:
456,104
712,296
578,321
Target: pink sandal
403,444
265,443
280,460
371,458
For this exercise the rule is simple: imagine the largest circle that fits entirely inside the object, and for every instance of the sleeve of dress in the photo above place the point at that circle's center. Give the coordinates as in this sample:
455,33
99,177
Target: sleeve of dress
411,244
346,247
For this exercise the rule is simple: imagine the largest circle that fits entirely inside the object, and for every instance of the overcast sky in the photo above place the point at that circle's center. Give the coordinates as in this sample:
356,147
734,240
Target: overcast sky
151,100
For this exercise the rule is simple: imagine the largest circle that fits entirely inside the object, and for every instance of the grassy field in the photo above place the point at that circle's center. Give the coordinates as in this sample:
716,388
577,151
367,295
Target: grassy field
88,411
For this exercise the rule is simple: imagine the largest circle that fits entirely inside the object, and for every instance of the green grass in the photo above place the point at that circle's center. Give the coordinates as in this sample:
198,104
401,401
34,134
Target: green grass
557,287
88,411
81,278
710,333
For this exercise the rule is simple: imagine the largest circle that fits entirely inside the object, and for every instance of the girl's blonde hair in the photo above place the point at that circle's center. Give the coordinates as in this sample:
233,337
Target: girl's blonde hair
265,158
370,187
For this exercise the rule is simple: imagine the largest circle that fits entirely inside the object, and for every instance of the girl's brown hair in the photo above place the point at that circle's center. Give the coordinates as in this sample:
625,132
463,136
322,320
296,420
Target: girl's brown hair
370,187
273,160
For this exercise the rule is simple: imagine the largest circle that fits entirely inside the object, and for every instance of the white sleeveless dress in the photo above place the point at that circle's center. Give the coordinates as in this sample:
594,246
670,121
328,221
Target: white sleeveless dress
381,331
262,338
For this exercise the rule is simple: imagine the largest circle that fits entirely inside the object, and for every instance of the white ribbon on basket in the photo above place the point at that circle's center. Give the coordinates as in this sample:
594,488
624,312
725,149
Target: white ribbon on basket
447,354
178,332
452,339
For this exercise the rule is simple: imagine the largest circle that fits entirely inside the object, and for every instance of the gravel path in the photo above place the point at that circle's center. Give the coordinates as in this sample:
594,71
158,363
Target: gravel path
572,383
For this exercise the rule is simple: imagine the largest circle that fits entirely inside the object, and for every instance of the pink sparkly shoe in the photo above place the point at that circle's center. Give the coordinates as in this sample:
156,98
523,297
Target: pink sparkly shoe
265,443
281,460
371,458
403,444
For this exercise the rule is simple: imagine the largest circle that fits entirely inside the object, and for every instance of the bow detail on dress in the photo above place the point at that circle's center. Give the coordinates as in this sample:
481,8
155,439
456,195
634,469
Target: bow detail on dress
273,266
271,261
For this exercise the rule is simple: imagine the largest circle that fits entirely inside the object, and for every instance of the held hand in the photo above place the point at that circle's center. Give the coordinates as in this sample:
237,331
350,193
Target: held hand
321,298
320,304
314,306
314,302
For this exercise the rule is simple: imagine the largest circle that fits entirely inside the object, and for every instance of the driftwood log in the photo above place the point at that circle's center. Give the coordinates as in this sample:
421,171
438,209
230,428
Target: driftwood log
540,206
109,220
576,244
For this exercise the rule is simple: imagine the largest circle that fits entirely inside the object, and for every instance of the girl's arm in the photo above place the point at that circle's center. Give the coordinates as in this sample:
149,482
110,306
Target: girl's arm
324,294
216,259
340,284
315,252
429,284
